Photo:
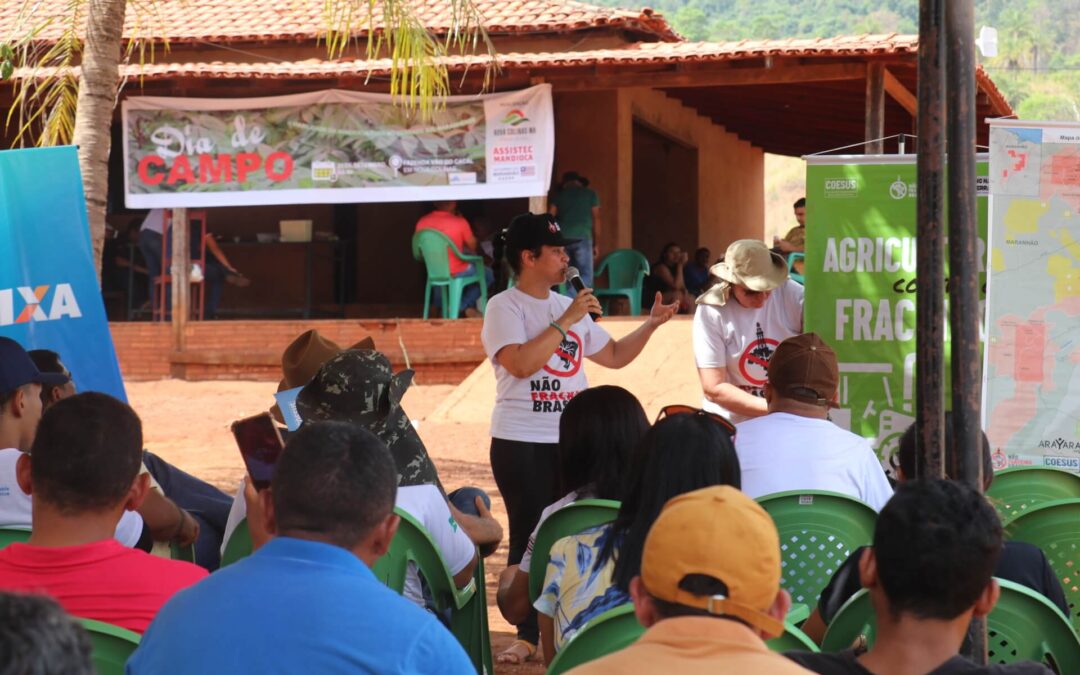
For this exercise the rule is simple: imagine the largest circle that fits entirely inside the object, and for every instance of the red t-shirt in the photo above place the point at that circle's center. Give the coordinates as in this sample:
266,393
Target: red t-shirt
105,580
455,227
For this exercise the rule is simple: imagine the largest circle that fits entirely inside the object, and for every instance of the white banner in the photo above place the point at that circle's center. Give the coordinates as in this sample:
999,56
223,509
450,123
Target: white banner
334,146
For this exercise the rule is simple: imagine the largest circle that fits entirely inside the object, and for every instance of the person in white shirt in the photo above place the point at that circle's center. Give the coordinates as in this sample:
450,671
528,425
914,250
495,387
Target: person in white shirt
738,324
537,341
795,446
20,410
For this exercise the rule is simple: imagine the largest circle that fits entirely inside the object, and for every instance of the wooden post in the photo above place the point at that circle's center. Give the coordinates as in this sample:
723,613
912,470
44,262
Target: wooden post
538,204
875,108
930,246
181,277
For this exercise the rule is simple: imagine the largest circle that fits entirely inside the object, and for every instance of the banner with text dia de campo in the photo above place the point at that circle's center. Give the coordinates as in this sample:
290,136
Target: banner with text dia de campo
49,293
861,282
335,146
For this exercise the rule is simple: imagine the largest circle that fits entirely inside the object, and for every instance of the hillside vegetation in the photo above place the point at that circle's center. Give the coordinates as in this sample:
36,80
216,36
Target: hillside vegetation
1038,62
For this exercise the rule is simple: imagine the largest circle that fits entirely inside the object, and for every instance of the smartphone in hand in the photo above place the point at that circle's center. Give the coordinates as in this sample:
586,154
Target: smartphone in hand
260,445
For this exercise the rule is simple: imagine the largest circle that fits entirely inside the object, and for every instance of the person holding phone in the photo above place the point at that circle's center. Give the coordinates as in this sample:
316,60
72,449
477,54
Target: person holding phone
536,341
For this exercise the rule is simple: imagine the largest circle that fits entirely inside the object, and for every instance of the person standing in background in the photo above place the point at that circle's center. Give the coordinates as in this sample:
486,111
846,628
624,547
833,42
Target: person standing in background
577,209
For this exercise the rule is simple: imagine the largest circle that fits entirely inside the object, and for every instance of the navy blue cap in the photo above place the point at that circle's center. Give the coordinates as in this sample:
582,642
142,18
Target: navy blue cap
17,369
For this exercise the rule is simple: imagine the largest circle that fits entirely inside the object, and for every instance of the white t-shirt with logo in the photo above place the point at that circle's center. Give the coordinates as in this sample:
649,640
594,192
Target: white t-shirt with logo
779,452
15,505
742,339
154,221
528,409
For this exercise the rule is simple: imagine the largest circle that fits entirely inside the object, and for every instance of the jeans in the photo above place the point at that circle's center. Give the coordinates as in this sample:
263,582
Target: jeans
580,253
151,246
207,504
471,293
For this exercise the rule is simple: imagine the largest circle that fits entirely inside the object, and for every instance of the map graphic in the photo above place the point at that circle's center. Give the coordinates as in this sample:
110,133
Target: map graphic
1031,390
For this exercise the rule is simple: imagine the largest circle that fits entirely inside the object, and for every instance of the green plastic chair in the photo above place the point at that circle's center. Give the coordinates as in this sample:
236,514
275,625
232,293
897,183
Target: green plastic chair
111,646
435,248
185,553
567,521
792,639
609,632
467,606
1022,626
1018,488
818,530
13,535
792,258
238,546
618,628
626,271
1055,528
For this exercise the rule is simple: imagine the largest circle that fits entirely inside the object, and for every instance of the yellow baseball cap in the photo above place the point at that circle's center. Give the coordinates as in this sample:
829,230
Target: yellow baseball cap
718,532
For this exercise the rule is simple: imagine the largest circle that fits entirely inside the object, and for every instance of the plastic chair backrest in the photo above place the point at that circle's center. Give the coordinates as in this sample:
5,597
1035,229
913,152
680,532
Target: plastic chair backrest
239,544
818,530
625,267
609,632
434,248
467,606
1055,528
1022,626
1018,488
13,535
567,521
185,553
792,639
111,646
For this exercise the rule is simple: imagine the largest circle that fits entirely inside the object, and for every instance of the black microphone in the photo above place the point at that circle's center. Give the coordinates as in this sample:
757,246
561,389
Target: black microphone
573,277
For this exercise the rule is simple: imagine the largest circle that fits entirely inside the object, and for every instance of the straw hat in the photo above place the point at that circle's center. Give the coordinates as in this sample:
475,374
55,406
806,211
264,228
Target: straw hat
748,263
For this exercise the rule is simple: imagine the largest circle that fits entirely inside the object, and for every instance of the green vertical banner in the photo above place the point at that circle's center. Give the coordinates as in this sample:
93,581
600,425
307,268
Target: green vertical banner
861,282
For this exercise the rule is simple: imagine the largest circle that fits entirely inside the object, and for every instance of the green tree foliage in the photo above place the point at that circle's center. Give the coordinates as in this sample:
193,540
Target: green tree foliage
1038,62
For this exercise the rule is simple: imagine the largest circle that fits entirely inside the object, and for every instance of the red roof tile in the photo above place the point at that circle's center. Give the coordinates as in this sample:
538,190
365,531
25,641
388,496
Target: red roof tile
250,20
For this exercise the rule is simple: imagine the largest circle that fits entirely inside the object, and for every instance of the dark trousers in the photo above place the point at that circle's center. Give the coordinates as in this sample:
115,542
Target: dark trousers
207,504
152,246
527,476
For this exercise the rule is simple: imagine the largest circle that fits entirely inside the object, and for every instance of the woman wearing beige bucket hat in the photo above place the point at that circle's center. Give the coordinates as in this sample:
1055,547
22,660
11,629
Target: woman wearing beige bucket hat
738,324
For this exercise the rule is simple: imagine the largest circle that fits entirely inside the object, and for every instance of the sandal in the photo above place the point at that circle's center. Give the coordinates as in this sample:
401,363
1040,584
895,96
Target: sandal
517,653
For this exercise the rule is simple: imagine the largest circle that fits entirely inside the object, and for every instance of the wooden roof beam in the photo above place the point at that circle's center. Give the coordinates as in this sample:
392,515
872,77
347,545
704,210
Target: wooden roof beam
711,78
901,94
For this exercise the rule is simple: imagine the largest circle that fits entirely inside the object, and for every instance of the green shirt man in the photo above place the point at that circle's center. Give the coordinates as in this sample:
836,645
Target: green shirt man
577,209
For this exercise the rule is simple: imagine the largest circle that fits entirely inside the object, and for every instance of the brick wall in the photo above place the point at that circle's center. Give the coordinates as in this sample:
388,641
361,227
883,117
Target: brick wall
441,352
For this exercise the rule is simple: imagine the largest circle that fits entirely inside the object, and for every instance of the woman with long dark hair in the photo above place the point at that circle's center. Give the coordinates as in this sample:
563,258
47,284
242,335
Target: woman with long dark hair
589,573
598,431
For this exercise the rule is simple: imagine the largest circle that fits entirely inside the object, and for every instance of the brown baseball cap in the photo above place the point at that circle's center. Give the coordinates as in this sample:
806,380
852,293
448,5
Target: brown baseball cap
804,368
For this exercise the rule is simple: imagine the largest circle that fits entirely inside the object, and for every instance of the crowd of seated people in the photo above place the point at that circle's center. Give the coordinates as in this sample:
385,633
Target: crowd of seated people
689,548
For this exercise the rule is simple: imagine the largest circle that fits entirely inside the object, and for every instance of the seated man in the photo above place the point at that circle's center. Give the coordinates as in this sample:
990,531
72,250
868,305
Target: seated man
21,385
193,513
707,605
82,473
1020,562
446,219
307,600
795,446
929,572
37,636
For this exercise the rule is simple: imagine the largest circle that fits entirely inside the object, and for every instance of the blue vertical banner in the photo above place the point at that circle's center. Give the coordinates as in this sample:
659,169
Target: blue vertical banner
49,293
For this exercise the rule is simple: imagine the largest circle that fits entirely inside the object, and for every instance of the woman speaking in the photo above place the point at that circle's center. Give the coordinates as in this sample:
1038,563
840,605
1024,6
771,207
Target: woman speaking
537,340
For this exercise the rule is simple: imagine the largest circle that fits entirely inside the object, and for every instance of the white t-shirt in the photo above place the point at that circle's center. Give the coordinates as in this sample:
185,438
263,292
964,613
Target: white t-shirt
154,221
424,503
780,452
15,505
742,340
526,557
529,409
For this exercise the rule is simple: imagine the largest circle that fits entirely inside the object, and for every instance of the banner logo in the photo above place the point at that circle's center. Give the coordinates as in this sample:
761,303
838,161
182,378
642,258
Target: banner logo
898,189
515,117
841,187
30,302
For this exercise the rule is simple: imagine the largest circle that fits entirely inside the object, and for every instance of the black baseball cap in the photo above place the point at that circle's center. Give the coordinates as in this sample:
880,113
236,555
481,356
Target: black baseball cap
17,368
532,230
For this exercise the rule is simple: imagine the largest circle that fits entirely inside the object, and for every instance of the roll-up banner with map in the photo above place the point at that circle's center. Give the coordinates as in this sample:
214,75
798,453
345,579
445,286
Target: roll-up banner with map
861,282
1031,391
334,146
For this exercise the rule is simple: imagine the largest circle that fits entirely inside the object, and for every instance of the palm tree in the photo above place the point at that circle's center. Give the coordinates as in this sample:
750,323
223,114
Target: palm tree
53,105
